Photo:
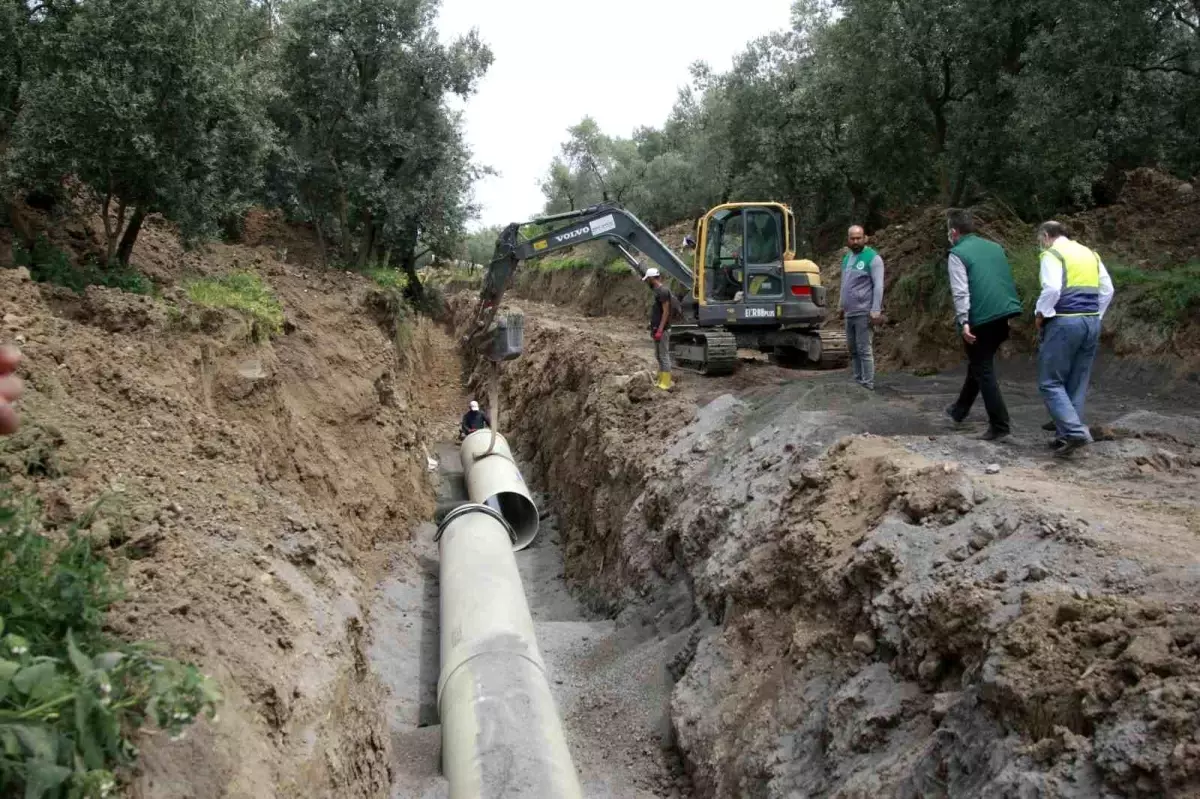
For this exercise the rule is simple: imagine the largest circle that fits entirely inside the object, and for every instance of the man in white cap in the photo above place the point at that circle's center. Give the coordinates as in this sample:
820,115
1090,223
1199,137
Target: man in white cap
660,322
474,419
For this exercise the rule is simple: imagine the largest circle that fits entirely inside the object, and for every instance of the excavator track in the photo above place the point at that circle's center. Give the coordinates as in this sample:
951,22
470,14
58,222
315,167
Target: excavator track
835,350
709,352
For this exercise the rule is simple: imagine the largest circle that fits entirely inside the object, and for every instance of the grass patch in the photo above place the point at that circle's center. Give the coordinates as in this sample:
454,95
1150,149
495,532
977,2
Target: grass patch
567,264
614,267
72,699
388,278
48,264
245,293
926,289
1163,297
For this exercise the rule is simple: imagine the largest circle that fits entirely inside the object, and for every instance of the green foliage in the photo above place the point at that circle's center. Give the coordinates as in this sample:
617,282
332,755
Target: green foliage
563,264
71,698
333,110
388,278
48,264
372,153
245,293
479,245
1165,297
572,263
867,106
148,103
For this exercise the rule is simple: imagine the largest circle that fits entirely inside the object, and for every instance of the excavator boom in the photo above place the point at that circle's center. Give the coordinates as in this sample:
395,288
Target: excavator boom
609,222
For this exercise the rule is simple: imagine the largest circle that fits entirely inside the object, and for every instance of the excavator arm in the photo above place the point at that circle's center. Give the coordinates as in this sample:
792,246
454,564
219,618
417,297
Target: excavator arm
608,221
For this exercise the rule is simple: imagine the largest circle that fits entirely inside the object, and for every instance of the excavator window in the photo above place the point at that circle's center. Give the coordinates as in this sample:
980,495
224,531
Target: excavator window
725,261
764,236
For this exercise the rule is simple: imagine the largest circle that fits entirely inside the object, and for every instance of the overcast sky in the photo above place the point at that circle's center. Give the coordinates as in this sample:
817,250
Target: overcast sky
620,61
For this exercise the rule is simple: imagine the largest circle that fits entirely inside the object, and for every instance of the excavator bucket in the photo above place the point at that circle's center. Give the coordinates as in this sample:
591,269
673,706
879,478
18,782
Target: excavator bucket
508,338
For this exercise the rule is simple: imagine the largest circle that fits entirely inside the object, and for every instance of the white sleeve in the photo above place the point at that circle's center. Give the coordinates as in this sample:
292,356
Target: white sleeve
1052,276
1106,289
960,289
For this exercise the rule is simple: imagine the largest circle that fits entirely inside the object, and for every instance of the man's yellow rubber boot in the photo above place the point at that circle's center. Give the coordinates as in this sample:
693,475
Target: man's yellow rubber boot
668,381
658,381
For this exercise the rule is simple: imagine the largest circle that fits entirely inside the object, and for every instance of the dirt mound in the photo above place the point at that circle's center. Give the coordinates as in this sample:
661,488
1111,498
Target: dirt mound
868,617
593,292
289,242
1153,223
256,492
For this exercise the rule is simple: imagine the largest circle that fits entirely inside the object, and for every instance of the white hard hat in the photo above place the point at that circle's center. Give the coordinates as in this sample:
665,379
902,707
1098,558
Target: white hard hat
474,405
651,272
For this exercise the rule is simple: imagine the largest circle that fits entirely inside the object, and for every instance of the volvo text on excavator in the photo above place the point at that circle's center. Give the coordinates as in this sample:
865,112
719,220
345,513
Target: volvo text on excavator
748,290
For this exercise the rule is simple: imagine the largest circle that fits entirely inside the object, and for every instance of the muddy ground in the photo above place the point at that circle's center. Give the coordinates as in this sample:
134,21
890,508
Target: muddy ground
877,603
780,585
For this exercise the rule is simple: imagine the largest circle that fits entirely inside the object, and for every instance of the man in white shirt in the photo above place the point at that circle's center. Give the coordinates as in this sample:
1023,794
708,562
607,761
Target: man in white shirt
1076,291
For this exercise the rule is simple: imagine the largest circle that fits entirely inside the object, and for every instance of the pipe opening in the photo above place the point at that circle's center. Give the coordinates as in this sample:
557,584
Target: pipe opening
520,513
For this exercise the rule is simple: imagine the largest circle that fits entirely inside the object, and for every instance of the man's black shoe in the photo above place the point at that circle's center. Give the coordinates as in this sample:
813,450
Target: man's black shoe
1070,446
1050,427
1056,443
954,417
994,435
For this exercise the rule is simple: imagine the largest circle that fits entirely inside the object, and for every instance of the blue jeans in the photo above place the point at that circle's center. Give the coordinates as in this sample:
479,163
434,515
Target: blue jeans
1065,357
862,354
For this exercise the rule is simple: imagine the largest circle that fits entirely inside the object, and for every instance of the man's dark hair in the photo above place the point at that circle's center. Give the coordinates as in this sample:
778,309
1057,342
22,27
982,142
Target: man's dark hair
1053,230
962,221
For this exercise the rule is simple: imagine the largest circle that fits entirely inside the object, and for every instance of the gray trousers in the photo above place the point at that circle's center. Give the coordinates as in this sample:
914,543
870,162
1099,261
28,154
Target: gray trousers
662,349
862,355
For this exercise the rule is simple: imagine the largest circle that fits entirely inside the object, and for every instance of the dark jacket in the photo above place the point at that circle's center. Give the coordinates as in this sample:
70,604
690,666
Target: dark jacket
474,420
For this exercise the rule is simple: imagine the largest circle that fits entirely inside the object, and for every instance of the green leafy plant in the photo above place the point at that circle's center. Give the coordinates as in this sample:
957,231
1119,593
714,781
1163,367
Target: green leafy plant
1166,297
48,264
72,699
564,264
388,278
245,293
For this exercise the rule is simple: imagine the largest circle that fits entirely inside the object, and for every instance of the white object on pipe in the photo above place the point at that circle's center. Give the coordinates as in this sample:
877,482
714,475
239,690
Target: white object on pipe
494,479
501,735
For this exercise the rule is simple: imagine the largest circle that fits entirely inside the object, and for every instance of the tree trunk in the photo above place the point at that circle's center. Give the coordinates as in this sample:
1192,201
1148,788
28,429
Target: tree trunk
367,243
321,242
110,236
343,211
960,189
20,225
408,263
129,238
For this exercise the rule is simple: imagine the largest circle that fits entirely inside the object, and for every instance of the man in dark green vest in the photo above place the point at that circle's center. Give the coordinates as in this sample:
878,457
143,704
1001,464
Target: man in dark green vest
985,298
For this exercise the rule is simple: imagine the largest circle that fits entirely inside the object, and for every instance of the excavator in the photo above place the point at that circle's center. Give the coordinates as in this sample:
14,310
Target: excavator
748,290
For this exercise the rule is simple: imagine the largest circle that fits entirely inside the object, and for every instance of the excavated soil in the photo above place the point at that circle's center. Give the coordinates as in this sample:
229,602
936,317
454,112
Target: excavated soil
256,493
875,603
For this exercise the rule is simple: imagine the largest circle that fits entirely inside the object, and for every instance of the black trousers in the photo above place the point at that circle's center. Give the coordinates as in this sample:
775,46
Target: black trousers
981,376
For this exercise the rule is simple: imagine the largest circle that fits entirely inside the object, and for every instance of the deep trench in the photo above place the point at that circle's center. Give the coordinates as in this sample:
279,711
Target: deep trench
611,683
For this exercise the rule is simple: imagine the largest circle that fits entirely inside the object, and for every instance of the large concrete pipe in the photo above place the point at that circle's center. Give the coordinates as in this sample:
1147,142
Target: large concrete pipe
501,735
493,479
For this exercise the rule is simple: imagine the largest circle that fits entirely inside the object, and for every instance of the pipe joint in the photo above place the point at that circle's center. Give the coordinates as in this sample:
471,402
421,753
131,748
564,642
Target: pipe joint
469,507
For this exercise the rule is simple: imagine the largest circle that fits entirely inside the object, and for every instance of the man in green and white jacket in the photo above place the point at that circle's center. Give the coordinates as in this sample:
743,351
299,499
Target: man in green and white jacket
862,303
985,299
